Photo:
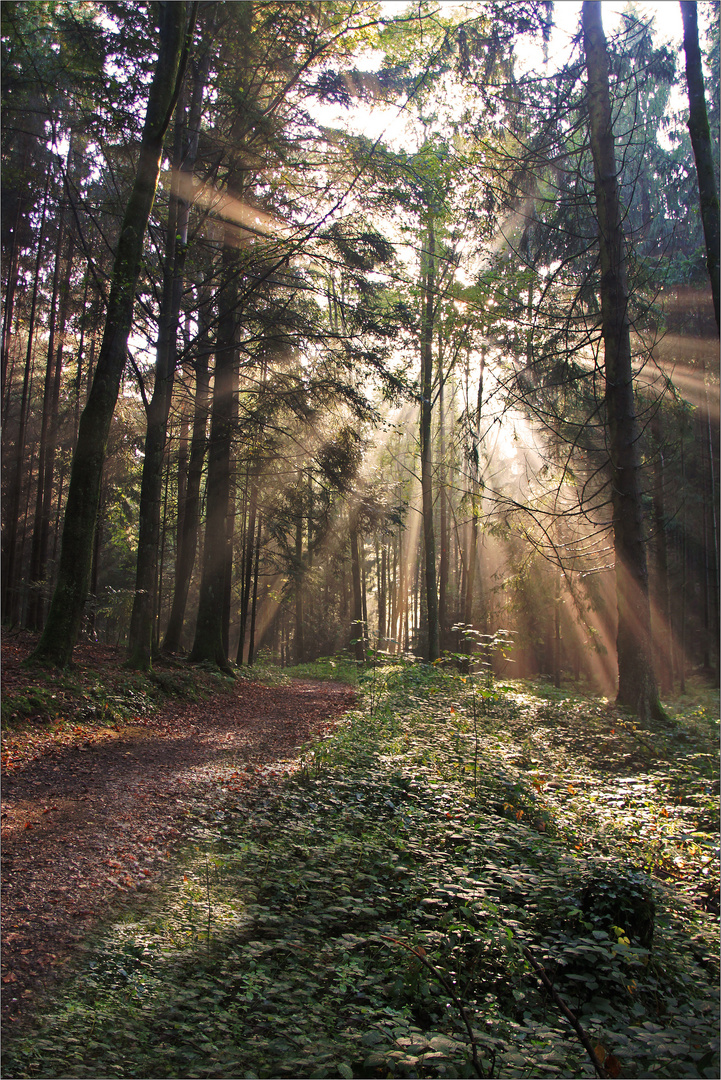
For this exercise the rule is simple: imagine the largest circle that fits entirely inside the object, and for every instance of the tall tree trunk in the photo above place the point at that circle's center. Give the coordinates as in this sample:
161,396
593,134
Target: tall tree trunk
393,584
52,441
309,593
158,413
230,530
398,585
663,634
711,447
10,562
682,632
557,631
298,573
443,622
62,294
357,631
208,644
158,590
188,539
181,474
81,511
58,512
381,565
701,141
34,611
13,274
187,133
95,565
250,542
429,539
254,603
364,593
80,353
472,556
637,688
49,432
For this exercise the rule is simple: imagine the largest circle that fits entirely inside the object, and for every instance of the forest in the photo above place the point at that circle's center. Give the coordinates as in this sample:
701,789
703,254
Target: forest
275,382
378,343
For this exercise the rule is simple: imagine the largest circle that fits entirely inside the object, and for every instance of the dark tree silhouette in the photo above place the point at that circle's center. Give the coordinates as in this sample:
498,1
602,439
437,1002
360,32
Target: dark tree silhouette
66,609
637,688
701,141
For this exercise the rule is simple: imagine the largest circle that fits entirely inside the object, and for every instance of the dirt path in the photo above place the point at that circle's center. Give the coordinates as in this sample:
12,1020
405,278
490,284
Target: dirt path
88,823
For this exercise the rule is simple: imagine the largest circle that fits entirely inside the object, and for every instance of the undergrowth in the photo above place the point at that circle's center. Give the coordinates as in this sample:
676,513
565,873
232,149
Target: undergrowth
335,668
428,857
100,697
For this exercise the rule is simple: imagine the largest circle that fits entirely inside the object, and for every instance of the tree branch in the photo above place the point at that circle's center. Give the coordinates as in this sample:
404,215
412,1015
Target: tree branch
572,1019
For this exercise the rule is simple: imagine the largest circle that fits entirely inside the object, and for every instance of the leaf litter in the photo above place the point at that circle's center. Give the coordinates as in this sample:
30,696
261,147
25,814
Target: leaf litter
93,814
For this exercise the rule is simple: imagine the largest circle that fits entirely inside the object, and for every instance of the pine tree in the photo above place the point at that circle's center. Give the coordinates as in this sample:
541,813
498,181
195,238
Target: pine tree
66,609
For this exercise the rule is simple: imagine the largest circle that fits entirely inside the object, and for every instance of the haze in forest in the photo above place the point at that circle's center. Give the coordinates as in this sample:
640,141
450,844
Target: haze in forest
307,348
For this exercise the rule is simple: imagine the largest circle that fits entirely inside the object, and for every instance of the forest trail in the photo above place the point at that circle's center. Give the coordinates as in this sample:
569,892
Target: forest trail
92,818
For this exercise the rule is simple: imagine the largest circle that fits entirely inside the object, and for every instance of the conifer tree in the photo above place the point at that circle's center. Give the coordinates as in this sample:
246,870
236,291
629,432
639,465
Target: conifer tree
66,609
637,688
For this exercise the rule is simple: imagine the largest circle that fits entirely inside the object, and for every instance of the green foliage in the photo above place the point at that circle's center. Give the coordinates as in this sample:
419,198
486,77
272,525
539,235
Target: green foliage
336,668
316,929
98,698
620,904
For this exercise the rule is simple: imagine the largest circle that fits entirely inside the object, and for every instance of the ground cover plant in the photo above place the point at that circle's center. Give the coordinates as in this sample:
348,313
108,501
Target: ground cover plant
97,692
445,873
339,668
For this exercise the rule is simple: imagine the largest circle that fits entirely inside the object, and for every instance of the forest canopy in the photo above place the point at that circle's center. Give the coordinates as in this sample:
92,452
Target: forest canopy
344,326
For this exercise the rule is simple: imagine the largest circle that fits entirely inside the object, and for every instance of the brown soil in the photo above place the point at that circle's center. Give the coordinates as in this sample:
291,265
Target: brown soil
91,815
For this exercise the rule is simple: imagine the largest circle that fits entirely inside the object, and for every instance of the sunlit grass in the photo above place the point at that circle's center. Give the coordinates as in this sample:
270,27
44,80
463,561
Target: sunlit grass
336,668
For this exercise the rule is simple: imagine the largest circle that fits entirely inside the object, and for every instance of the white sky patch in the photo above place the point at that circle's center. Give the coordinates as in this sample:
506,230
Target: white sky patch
391,123
400,130
667,30
667,26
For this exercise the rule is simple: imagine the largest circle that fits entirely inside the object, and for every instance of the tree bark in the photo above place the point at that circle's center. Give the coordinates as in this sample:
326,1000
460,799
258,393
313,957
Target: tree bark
663,633
184,156
158,413
429,539
701,141
248,556
158,613
364,594
188,539
298,575
10,561
52,443
381,560
38,547
62,293
254,604
13,275
712,495
181,474
357,634
472,556
230,525
66,610
682,631
208,644
557,632
443,622
637,690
